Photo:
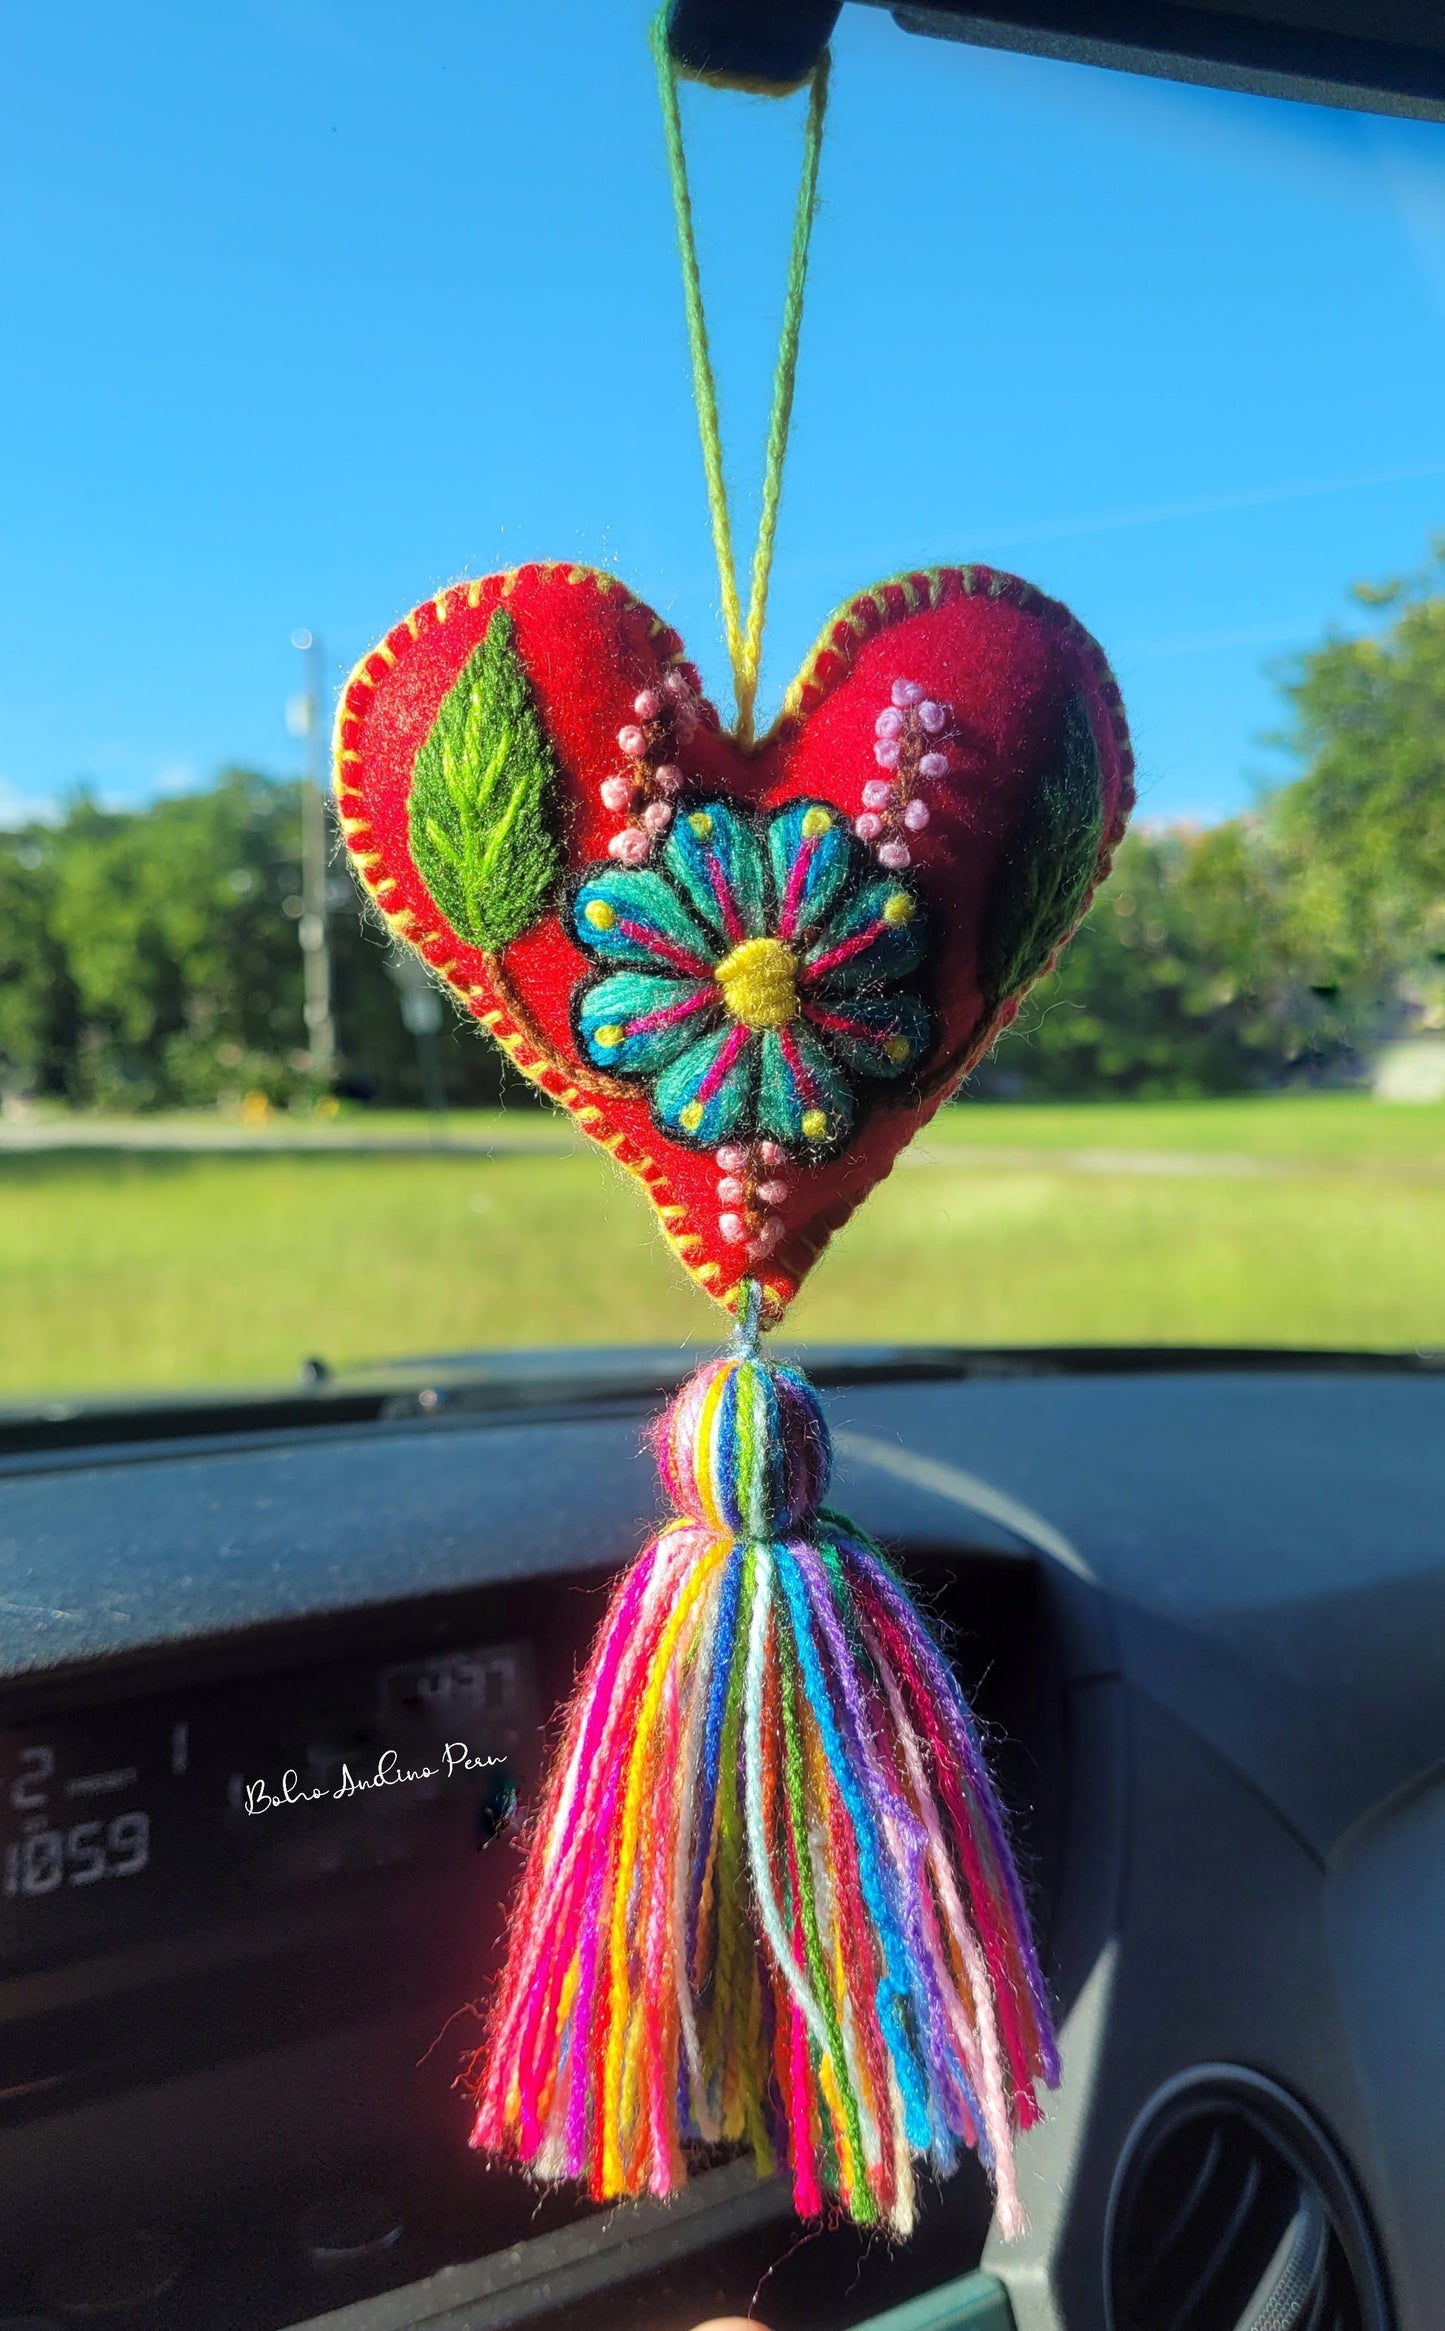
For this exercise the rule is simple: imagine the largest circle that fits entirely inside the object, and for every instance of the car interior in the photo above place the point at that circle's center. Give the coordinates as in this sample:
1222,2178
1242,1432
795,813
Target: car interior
1197,1599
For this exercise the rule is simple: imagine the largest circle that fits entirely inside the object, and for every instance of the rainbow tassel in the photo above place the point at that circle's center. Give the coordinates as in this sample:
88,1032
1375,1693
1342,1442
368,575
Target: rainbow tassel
770,1898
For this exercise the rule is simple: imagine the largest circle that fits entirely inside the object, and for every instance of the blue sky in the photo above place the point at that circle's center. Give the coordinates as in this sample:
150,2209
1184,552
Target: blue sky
314,305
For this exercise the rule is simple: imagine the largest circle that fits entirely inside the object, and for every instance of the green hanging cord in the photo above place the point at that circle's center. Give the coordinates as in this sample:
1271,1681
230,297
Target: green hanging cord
744,638
783,379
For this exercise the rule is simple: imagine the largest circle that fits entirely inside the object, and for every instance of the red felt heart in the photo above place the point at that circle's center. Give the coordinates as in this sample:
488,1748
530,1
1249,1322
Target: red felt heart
549,810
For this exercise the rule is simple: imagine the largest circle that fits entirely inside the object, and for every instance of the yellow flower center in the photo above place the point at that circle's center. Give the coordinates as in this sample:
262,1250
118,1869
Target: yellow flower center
759,983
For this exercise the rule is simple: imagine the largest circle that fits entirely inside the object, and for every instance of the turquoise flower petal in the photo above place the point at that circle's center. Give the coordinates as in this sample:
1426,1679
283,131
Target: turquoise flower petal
728,1111
712,848
830,855
788,1105
630,915
834,967
874,1036
608,1013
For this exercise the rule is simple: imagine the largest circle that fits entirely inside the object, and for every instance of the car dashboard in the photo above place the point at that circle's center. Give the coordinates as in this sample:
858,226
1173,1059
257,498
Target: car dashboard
278,1682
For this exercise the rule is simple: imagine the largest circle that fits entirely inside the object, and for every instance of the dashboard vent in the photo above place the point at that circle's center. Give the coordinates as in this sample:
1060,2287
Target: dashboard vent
1231,2211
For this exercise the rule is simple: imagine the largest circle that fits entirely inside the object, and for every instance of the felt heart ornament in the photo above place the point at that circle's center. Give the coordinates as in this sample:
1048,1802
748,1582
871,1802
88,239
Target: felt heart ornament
751,974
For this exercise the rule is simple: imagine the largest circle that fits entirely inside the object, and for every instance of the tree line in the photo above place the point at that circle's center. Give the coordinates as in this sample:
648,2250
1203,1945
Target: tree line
150,958
1284,946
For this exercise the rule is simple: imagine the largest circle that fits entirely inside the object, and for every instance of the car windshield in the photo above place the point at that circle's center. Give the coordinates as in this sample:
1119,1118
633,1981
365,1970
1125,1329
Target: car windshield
313,312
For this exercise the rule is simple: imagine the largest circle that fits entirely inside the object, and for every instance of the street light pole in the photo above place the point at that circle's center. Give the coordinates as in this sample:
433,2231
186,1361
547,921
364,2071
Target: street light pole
306,716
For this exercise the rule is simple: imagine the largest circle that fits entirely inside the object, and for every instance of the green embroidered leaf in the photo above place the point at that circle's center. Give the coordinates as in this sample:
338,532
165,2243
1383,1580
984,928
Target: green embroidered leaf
483,798
1048,866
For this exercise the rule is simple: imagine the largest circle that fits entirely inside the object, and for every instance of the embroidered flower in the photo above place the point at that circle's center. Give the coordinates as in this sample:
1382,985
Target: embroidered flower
755,977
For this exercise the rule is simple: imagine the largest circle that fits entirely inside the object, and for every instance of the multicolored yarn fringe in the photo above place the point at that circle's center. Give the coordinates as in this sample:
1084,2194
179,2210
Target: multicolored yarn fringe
770,1898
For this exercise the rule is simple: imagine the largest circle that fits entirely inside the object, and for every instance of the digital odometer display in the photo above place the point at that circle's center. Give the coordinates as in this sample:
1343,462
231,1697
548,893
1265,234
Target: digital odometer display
52,1849
113,1823
90,1812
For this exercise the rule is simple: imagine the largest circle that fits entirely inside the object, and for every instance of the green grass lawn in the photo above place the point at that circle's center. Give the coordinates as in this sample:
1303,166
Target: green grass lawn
1300,1221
